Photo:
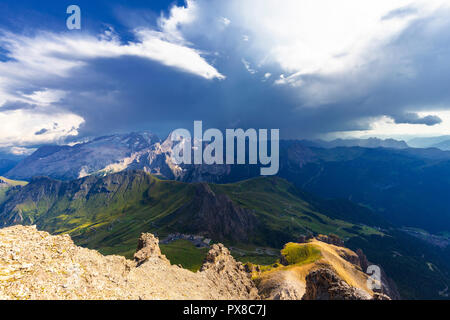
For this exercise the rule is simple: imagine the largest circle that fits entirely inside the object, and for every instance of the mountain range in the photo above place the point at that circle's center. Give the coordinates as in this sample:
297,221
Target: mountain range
430,142
407,186
444,145
142,150
108,191
364,143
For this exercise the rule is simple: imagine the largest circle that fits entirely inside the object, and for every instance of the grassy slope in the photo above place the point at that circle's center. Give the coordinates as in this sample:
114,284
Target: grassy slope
185,253
113,227
296,253
3,191
13,182
277,203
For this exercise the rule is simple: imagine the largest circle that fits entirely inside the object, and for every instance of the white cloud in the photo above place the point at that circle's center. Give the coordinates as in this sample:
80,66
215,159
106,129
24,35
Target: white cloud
384,127
45,97
178,16
49,55
325,38
267,76
248,66
154,47
322,36
18,151
19,127
46,56
57,54
225,21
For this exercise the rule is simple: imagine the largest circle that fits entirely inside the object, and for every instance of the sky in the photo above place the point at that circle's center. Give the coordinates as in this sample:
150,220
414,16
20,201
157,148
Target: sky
313,69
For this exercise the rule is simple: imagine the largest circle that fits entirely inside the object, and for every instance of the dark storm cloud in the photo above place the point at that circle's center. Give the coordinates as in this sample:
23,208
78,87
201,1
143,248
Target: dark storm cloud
160,99
409,74
17,105
130,93
414,118
40,132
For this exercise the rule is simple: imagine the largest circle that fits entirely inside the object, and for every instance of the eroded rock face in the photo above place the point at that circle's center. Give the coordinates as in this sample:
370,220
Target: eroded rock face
331,239
216,216
281,286
220,267
363,262
148,247
36,265
349,256
325,284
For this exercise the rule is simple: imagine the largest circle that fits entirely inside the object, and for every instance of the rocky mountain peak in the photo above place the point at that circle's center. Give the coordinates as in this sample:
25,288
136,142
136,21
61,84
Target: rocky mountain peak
218,258
148,247
105,154
219,265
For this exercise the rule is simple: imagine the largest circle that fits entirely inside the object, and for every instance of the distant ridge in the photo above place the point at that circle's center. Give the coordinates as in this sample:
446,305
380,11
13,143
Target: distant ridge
444,145
364,143
427,142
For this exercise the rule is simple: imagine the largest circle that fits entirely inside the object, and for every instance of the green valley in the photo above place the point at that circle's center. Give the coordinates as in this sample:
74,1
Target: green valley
255,218
109,213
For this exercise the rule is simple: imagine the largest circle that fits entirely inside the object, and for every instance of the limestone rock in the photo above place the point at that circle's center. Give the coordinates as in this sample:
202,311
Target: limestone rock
364,263
281,286
331,239
221,268
148,247
324,284
36,265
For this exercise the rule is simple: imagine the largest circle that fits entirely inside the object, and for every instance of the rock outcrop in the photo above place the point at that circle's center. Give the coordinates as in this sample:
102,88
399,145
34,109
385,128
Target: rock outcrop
331,239
148,247
220,267
325,284
282,285
37,265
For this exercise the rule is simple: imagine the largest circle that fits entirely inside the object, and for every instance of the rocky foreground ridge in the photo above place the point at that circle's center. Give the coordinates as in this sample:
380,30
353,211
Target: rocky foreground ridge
37,265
